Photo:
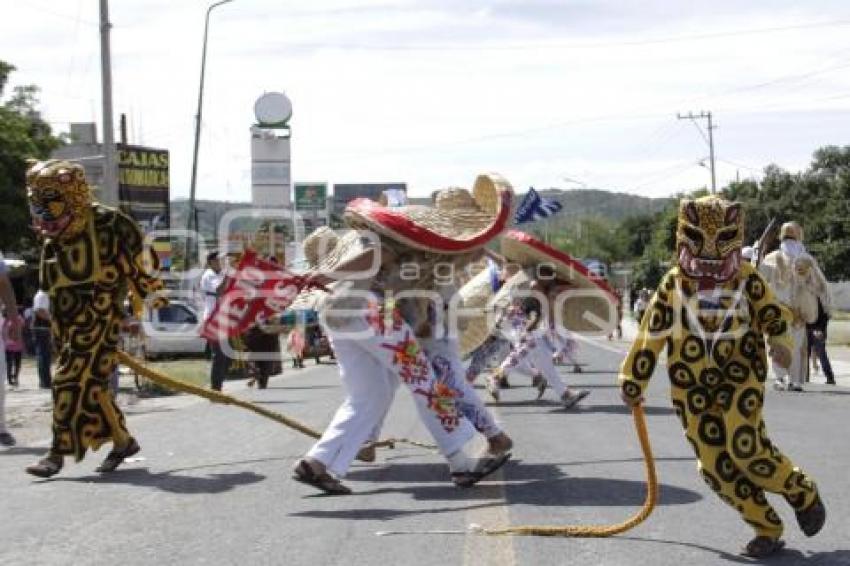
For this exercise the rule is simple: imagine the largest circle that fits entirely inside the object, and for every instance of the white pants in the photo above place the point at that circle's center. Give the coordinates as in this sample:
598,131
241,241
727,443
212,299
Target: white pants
371,368
796,373
444,355
534,350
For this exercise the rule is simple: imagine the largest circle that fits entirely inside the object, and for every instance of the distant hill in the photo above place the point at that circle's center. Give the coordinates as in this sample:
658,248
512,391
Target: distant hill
209,214
576,202
607,204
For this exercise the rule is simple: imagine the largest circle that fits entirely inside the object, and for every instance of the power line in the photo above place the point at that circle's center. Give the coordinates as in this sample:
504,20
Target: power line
596,45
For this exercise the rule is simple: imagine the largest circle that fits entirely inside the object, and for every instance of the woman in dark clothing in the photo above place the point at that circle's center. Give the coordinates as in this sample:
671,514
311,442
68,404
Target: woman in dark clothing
816,333
264,349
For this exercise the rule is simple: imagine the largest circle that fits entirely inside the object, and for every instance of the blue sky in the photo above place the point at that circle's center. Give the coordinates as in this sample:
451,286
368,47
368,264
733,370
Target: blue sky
435,92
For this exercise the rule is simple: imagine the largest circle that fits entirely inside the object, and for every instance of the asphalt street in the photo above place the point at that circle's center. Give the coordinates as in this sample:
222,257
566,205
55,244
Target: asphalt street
212,486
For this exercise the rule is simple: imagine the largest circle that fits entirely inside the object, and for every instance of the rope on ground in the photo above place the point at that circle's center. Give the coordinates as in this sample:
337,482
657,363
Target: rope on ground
219,397
582,531
600,531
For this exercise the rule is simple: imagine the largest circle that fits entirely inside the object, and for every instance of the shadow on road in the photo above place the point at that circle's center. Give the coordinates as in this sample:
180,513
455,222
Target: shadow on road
282,387
170,482
620,409
23,451
533,484
378,514
788,556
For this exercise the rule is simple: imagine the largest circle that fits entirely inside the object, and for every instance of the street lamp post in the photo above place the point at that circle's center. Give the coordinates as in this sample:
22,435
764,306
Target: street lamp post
190,217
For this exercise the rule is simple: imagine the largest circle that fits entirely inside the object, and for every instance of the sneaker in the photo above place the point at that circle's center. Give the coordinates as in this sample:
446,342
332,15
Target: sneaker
7,439
571,398
48,466
795,387
762,547
117,456
812,518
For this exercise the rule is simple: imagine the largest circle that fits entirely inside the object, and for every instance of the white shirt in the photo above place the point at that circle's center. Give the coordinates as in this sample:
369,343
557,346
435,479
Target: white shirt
41,301
210,281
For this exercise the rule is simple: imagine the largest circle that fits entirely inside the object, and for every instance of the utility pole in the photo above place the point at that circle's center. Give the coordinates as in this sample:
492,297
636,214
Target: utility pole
709,139
109,192
194,178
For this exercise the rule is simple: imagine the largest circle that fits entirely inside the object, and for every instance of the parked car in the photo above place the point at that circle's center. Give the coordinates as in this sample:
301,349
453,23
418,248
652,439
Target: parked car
172,330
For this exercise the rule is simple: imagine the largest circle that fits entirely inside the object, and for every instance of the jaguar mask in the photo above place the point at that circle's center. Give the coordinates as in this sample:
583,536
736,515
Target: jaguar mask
59,197
709,236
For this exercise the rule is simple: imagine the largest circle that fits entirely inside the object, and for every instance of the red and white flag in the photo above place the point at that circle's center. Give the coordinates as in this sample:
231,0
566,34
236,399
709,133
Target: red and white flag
258,289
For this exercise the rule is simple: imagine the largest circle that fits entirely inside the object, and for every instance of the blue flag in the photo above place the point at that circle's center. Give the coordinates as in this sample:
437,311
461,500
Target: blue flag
534,207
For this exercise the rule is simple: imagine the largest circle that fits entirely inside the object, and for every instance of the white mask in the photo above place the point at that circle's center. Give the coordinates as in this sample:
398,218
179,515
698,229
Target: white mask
792,247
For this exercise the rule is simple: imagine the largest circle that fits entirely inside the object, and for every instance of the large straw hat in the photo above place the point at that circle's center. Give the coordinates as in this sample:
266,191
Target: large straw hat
325,251
459,222
528,251
483,296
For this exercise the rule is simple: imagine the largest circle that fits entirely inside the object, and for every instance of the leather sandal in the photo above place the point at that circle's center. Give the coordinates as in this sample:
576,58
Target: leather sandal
762,547
48,466
117,456
323,482
484,468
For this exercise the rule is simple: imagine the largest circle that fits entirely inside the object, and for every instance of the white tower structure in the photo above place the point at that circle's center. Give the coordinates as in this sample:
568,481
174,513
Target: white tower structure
271,178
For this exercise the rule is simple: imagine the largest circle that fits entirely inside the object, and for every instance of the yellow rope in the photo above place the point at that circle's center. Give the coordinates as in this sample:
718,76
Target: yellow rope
599,531
586,531
219,397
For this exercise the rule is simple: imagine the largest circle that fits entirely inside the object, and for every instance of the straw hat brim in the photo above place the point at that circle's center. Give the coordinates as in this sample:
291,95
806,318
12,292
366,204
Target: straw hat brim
349,245
528,251
479,296
431,229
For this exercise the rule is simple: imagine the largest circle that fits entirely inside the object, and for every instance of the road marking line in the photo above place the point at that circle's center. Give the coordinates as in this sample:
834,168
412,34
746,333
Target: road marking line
491,550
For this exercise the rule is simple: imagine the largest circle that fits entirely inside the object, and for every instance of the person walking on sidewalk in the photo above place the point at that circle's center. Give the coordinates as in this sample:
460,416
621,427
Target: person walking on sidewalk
42,337
7,297
14,346
211,282
816,334
295,344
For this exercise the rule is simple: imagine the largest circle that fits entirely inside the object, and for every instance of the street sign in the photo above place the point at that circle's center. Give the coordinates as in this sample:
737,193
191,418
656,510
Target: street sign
311,196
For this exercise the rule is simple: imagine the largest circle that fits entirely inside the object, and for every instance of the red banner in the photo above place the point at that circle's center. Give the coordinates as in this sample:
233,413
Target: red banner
258,289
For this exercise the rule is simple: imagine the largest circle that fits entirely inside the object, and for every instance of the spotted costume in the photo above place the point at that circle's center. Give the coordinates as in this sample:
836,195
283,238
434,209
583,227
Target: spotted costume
90,254
713,314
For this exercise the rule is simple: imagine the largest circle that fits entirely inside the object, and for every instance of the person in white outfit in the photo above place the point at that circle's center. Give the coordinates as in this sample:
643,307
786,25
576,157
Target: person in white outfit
794,276
378,345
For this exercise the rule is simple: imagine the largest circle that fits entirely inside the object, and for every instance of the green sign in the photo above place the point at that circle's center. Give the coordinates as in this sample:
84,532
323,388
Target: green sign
311,196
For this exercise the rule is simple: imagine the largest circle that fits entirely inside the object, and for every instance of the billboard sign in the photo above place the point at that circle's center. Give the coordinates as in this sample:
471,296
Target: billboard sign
311,196
144,186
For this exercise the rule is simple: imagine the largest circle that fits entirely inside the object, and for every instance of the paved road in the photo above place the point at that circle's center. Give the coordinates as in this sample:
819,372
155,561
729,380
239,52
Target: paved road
213,487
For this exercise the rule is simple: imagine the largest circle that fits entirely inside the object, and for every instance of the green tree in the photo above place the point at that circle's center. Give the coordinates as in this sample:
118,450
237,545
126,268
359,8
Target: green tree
23,134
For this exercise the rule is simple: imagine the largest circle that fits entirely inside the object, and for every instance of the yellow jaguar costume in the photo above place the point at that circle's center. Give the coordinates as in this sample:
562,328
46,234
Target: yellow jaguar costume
90,253
712,312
